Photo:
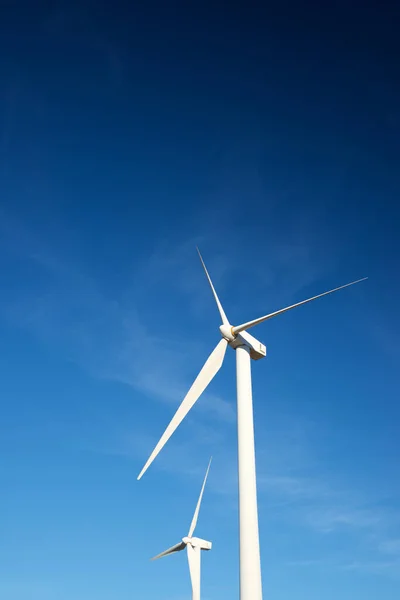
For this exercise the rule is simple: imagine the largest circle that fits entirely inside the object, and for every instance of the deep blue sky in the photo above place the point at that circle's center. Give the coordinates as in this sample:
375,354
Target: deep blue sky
270,137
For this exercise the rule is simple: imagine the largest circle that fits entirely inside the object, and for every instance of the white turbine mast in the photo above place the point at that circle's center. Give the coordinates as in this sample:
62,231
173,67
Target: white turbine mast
246,347
193,545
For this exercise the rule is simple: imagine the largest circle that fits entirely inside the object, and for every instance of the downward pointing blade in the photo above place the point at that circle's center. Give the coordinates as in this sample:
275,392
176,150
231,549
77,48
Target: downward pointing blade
172,550
249,324
219,305
194,568
196,512
207,373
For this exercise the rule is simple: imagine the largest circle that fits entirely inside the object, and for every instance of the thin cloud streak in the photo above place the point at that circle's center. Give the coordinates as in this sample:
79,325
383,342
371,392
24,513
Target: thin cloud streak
103,336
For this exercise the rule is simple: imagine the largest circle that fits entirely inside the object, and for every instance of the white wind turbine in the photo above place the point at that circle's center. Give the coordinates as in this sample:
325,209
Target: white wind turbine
246,347
193,545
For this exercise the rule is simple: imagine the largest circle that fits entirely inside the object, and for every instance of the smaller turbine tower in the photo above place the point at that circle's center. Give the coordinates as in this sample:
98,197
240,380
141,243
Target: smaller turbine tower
193,545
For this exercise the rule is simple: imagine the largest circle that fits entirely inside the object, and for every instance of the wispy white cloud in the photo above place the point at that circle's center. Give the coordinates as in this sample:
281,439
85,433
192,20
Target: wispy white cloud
330,518
383,559
311,563
338,513
320,504
367,551
35,589
109,338
379,567
366,567
390,546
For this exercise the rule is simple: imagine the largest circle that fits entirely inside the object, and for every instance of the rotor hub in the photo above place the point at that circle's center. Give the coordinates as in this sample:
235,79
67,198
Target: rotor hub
227,332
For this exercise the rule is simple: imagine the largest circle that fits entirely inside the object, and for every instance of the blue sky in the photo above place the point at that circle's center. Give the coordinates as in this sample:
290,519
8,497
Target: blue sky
270,138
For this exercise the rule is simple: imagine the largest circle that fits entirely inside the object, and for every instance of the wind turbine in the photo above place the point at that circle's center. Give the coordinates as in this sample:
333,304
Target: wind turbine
247,347
193,545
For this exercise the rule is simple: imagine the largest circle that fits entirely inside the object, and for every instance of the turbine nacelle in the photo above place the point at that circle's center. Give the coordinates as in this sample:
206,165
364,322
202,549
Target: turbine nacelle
257,349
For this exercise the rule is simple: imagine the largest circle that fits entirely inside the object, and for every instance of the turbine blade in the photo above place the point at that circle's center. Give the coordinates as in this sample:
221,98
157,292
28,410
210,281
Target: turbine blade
172,550
196,512
249,324
207,373
194,558
219,305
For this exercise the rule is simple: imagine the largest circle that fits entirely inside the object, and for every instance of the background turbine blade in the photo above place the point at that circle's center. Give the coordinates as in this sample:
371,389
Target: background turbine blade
219,305
172,550
194,558
249,324
196,512
207,373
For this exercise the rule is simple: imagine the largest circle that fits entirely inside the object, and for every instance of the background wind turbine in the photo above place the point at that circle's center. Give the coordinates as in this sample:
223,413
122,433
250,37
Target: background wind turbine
193,545
246,347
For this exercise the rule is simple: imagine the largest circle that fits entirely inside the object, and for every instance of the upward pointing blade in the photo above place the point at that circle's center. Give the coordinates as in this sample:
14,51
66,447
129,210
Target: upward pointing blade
196,512
194,557
207,373
219,305
249,324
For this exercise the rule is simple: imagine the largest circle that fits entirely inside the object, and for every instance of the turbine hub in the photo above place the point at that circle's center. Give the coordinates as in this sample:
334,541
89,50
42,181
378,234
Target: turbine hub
227,333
